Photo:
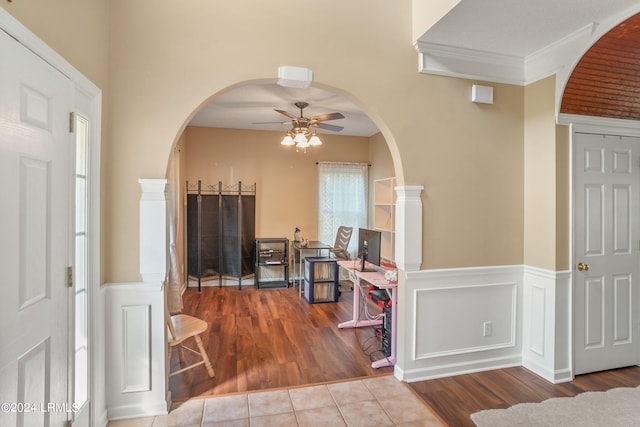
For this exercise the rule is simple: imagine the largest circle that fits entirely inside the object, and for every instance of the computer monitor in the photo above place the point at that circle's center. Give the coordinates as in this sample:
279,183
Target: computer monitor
369,246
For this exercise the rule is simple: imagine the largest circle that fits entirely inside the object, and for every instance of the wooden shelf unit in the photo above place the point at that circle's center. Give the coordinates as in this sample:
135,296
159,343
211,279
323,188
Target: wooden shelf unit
384,215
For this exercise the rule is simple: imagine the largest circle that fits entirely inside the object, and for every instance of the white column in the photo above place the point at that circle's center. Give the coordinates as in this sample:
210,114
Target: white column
153,230
409,227
136,366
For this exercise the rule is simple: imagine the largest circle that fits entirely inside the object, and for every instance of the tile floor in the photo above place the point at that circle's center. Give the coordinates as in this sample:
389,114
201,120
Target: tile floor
378,401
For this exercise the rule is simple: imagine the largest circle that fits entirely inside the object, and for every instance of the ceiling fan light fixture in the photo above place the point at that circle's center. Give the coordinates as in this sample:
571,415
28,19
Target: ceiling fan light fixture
301,140
288,140
314,140
302,133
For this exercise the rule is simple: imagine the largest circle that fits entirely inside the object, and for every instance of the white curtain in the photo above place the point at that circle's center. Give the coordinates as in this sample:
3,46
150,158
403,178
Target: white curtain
174,285
343,194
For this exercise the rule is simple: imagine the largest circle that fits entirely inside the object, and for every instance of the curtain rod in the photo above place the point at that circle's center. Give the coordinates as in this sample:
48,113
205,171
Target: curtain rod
342,163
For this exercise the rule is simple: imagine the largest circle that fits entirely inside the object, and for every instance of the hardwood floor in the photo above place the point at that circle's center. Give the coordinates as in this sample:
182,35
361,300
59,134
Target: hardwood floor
454,399
271,338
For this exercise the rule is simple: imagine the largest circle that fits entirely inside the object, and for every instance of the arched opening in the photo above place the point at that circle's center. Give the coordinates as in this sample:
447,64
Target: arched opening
257,346
605,81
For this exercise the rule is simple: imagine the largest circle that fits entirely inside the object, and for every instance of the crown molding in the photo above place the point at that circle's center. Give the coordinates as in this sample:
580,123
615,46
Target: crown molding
470,64
558,57
592,124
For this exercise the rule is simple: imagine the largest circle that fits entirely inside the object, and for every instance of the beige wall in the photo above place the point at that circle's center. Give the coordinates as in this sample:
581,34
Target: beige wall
563,198
540,175
468,157
167,59
286,180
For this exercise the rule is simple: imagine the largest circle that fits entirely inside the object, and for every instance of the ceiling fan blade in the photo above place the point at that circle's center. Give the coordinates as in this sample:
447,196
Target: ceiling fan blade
268,123
286,114
326,126
325,117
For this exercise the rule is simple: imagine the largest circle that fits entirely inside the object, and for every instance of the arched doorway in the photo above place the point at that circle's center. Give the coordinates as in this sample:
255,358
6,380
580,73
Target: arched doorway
226,141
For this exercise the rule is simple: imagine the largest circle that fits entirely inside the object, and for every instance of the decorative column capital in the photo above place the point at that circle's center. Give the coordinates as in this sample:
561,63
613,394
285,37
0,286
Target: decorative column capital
409,227
153,230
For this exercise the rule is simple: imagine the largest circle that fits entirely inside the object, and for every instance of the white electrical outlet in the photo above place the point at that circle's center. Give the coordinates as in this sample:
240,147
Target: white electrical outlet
487,329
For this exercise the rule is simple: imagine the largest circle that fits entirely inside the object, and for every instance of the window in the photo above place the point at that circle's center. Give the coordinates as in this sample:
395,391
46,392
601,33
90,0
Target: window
343,189
81,338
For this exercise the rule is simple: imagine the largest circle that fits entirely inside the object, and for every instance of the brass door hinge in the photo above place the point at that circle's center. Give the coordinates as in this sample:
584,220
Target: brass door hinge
72,122
69,276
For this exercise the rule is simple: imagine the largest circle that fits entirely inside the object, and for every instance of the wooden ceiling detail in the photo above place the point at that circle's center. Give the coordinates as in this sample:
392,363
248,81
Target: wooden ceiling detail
606,81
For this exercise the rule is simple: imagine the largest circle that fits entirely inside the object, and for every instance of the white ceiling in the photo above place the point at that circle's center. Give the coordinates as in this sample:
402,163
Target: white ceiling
516,28
519,27
243,107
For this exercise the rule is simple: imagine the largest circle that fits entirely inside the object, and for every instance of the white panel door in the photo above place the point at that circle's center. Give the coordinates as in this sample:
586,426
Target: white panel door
606,248
35,212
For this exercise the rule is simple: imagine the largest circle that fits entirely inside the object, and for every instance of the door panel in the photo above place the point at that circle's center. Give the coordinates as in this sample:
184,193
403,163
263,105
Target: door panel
606,280
35,155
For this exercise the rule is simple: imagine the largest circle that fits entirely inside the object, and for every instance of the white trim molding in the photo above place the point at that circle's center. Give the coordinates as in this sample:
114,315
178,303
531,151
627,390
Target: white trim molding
136,384
153,230
408,244
462,320
546,324
559,58
470,64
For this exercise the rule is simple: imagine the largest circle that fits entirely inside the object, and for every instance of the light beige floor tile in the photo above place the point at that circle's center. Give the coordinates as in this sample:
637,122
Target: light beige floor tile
134,422
226,408
182,414
351,391
431,422
269,403
387,387
405,408
311,397
277,420
365,413
227,423
320,417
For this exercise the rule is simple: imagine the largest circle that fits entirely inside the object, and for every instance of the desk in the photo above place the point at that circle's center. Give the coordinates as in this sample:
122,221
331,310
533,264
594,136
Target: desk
313,245
374,278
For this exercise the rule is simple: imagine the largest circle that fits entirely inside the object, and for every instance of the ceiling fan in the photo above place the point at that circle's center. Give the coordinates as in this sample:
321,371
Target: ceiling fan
301,134
309,122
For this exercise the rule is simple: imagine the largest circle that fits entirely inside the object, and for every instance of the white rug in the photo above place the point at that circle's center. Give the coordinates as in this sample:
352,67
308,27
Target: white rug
616,407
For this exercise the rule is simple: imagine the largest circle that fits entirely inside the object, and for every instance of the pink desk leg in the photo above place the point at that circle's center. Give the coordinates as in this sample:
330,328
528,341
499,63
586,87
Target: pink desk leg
391,360
355,322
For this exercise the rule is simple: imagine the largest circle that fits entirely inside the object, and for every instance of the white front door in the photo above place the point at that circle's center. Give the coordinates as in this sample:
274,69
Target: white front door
607,253
36,175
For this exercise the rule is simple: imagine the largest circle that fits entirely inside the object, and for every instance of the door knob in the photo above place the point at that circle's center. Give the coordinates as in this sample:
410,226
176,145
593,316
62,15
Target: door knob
583,267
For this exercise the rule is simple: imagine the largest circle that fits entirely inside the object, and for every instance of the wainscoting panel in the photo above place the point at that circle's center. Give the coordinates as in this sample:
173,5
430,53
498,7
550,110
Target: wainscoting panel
546,332
464,319
136,353
457,321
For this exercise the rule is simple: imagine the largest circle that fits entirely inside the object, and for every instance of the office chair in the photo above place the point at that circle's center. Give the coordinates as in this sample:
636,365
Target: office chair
343,237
